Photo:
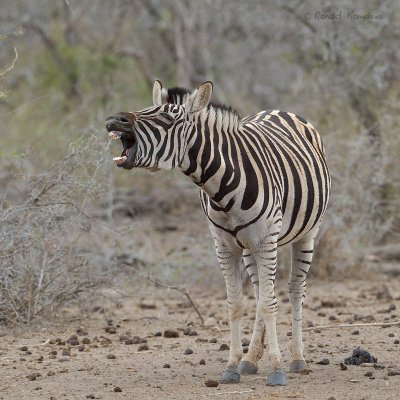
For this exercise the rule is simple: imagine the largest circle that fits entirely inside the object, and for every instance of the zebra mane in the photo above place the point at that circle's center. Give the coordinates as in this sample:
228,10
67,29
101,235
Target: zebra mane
178,95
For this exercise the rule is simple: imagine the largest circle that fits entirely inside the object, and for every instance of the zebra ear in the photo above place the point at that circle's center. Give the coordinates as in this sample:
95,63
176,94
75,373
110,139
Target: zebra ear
201,97
159,94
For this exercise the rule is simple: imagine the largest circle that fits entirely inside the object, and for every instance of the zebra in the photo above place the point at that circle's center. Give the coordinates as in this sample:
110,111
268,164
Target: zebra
264,182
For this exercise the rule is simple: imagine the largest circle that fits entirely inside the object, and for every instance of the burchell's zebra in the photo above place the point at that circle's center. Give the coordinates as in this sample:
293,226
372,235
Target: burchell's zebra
264,183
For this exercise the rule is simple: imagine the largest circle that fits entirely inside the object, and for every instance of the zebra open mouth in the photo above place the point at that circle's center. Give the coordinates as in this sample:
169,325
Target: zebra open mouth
120,126
128,144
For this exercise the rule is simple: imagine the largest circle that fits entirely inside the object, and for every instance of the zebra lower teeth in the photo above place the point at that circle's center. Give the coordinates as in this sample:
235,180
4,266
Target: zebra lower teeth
120,160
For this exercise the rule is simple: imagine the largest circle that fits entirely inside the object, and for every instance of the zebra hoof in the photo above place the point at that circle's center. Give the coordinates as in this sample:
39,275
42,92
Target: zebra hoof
297,365
247,368
276,378
230,376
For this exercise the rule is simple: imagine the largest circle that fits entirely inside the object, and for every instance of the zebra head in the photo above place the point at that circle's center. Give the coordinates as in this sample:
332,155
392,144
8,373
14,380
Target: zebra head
156,137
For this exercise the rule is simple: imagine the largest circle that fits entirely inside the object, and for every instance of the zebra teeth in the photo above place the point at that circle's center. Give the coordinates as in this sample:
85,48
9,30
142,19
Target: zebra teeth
120,160
114,135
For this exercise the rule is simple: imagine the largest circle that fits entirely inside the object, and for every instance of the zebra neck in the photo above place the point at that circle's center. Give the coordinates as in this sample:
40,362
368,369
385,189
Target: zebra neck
210,159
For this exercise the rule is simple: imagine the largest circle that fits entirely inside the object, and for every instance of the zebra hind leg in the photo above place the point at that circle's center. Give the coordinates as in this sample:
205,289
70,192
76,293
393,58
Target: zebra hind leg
230,264
302,253
248,365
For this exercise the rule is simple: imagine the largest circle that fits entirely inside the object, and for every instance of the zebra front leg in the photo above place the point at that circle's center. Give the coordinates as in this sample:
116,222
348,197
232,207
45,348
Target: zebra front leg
267,306
302,253
248,365
230,264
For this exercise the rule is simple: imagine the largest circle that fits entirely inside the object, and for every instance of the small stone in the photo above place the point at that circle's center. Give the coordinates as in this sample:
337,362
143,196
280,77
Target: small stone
81,331
111,356
210,322
223,347
129,341
193,333
51,373
317,330
188,351
90,396
32,377
368,374
391,335
81,348
158,334
305,371
117,389
211,383
245,349
66,352
393,372
324,361
355,332
143,347
24,348
245,342
166,365
202,361
396,341
53,352
213,340
343,366
171,333
187,331
111,329
86,340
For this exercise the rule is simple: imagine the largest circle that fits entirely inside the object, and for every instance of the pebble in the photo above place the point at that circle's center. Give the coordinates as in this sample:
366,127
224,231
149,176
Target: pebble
143,347
396,341
355,332
211,383
368,374
213,340
166,365
324,361
86,340
111,356
66,352
343,366
188,351
202,361
111,329
24,348
51,373
393,372
171,333
193,333
81,331
223,347
32,377
117,389
90,396
210,322
158,334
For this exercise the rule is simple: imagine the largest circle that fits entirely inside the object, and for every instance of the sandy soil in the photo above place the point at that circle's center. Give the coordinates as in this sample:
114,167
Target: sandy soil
51,368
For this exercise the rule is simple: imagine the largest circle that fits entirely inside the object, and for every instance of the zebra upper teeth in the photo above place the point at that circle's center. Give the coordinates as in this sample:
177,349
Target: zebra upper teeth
114,135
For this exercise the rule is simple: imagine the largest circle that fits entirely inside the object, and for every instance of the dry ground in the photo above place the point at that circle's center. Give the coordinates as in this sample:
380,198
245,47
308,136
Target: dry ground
94,370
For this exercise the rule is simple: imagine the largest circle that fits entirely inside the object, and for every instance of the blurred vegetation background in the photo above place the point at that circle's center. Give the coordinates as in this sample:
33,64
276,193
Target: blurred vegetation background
67,64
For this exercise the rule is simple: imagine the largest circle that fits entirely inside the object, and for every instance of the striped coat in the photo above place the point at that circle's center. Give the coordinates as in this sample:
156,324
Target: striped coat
264,183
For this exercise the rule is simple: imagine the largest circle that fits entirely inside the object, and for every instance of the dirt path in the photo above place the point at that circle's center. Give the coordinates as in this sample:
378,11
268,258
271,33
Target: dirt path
58,370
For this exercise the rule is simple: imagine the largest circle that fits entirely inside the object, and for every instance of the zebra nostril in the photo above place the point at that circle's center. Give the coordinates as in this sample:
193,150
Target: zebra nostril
124,120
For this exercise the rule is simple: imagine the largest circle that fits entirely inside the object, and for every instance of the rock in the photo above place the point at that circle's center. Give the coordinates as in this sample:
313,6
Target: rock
355,332
393,372
143,347
32,377
24,348
324,361
90,396
193,333
81,331
213,340
111,329
343,367
188,351
368,374
202,361
211,383
111,356
86,340
51,373
171,333
396,341
210,322
223,347
166,365
158,334
117,389
147,306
